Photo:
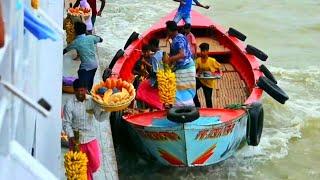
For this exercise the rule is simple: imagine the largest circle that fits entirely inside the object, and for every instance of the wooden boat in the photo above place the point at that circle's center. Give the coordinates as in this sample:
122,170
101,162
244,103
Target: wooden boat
218,132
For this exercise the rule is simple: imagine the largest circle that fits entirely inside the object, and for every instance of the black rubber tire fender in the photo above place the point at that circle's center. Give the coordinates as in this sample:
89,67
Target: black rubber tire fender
267,73
119,54
272,89
254,124
237,34
134,36
183,114
256,52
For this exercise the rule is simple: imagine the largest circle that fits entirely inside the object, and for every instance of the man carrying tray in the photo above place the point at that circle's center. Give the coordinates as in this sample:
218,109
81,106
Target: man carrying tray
78,115
206,66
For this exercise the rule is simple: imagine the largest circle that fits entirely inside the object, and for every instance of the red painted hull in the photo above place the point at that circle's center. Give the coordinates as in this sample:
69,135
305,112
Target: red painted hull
245,64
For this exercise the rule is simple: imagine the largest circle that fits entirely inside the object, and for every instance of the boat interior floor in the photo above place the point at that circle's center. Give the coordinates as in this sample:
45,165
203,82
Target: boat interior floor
214,45
231,89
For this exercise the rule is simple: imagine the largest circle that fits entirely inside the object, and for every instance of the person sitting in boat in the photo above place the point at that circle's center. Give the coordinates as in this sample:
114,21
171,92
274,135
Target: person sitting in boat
156,60
142,71
180,56
204,63
77,117
85,46
142,68
185,9
191,39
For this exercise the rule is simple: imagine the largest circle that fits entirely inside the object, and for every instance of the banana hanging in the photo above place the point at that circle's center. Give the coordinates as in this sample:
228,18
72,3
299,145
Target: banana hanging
167,86
75,164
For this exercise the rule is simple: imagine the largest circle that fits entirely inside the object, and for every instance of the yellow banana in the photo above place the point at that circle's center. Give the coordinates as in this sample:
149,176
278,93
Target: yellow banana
76,165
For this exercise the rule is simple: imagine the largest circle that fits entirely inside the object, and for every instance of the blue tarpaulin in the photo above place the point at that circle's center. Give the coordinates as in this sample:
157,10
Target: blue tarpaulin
38,28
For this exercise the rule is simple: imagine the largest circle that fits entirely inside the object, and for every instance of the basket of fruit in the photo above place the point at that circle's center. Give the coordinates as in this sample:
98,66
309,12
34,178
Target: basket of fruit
79,14
113,94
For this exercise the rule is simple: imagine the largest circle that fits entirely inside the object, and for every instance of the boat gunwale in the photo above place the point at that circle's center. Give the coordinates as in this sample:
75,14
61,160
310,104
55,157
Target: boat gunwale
255,94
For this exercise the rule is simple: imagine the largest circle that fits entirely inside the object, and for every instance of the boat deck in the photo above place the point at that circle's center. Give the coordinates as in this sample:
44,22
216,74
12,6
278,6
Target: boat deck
108,169
231,89
215,46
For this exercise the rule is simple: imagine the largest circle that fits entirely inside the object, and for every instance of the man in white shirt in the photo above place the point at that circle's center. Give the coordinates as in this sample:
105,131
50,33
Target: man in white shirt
78,116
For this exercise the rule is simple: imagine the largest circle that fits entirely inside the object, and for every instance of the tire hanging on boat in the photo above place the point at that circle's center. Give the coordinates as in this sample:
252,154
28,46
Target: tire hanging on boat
267,73
272,89
256,52
237,34
134,36
119,54
183,114
254,124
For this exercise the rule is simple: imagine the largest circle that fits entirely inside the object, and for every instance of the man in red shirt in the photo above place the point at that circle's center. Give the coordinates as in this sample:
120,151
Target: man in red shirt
93,5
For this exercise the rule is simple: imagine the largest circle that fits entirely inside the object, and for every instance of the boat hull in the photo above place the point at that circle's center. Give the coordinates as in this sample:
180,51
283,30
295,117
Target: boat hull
205,141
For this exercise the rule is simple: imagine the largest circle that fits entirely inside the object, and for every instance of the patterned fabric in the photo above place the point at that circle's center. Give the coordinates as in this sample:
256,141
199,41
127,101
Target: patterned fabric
186,85
211,65
77,116
85,46
181,42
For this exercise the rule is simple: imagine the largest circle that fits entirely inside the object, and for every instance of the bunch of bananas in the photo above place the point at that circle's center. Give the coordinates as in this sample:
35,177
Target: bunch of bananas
69,27
35,4
76,165
167,86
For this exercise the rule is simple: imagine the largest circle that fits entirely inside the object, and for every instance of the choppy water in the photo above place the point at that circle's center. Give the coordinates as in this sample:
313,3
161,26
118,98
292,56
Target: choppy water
289,32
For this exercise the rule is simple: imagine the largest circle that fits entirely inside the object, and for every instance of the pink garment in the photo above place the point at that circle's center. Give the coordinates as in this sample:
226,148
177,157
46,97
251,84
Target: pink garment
92,150
192,42
149,95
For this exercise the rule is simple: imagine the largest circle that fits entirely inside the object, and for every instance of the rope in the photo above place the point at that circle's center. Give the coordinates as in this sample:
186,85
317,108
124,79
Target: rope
236,106
241,106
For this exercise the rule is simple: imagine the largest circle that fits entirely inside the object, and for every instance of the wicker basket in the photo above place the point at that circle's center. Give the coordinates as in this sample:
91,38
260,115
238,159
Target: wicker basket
118,107
67,89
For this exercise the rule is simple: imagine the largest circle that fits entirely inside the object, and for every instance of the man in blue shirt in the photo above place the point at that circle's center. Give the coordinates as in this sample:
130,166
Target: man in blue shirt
85,46
184,10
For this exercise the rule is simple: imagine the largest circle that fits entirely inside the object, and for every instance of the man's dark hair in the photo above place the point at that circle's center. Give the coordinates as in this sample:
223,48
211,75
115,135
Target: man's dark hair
187,26
146,47
204,47
80,28
172,26
154,43
78,84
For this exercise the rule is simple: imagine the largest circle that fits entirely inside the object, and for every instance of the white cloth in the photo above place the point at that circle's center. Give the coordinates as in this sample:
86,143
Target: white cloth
88,22
76,118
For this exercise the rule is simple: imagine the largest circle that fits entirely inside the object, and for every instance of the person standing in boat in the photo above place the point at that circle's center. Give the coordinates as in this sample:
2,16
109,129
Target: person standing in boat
156,60
191,39
78,115
93,5
85,46
206,64
180,56
185,9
